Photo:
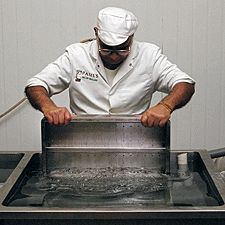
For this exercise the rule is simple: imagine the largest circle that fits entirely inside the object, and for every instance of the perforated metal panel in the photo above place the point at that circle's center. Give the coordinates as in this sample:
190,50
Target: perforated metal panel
104,132
104,141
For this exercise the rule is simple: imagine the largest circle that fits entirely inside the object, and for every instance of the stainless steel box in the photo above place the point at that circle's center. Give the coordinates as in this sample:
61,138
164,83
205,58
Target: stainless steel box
116,142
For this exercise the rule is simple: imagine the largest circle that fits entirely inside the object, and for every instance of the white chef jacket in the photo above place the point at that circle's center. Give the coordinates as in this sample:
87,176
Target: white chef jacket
81,70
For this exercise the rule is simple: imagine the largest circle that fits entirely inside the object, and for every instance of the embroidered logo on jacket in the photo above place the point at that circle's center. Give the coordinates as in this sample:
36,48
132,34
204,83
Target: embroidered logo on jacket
80,74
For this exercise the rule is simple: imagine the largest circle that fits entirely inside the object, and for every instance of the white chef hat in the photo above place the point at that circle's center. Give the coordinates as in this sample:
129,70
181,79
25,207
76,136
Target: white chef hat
115,25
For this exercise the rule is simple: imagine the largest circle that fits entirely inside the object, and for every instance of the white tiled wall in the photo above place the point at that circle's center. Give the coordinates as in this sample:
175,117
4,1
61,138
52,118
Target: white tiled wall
191,32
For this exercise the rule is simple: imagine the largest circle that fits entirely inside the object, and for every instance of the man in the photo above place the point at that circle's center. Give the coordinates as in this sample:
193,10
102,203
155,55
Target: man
112,75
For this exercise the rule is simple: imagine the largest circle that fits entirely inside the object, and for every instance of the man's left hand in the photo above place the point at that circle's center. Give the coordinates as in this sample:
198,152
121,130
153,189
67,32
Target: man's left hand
157,115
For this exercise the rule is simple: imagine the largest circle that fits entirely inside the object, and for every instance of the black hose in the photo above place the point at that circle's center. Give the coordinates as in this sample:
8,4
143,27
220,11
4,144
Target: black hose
216,153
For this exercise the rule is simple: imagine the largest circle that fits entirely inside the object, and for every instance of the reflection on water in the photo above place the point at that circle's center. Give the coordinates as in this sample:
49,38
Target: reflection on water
111,187
222,173
107,181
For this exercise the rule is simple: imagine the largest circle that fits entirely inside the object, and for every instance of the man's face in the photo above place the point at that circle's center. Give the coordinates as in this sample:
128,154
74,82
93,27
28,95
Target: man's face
113,56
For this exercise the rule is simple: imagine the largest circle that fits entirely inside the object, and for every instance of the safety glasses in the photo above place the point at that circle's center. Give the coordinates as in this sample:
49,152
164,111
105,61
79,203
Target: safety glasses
107,52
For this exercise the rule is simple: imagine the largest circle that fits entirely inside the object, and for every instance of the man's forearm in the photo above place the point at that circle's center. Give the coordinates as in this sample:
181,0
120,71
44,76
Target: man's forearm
179,95
39,98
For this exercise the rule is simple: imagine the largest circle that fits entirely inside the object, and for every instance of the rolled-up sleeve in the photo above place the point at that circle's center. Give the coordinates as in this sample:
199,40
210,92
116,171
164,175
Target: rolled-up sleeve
55,77
167,74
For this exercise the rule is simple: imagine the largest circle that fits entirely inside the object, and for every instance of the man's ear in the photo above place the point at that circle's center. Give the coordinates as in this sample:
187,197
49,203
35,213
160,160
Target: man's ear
96,31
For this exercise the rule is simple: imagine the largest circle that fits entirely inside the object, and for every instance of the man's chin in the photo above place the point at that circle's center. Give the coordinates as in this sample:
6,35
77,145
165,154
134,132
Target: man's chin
112,66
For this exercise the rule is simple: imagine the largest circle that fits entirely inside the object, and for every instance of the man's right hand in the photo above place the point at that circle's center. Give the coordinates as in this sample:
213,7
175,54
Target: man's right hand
39,99
58,115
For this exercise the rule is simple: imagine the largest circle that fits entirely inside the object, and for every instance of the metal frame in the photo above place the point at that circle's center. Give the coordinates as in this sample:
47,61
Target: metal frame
7,212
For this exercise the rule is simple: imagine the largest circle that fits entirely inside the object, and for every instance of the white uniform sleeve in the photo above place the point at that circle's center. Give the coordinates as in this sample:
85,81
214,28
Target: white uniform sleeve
55,77
167,74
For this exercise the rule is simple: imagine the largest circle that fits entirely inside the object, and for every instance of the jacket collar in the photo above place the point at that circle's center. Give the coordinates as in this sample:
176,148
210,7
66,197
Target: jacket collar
126,66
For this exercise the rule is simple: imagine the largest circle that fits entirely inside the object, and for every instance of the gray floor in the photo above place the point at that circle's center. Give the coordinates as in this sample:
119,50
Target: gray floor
115,222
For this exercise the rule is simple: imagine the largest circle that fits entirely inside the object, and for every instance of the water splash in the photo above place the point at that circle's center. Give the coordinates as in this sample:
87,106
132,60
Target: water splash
107,181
